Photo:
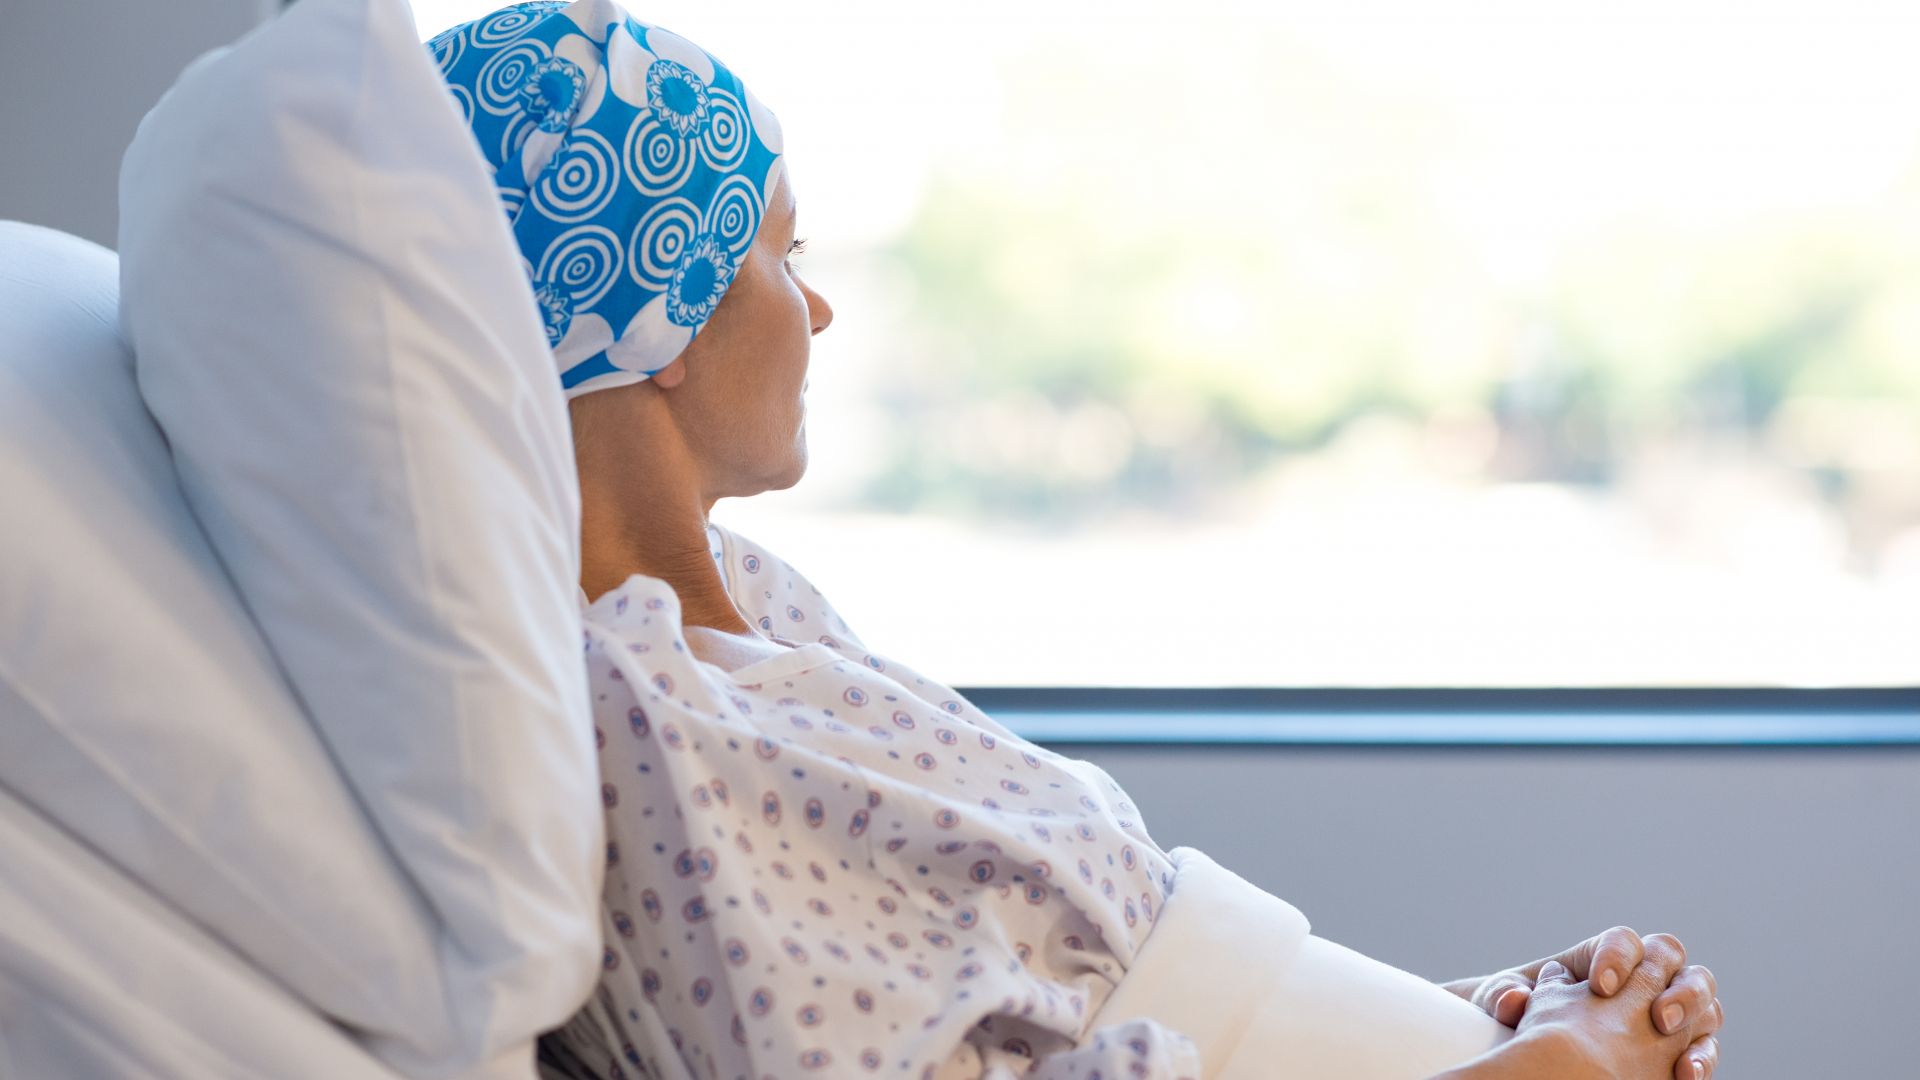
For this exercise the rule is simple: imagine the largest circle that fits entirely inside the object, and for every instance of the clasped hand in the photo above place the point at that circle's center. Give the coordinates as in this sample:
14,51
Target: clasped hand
1604,962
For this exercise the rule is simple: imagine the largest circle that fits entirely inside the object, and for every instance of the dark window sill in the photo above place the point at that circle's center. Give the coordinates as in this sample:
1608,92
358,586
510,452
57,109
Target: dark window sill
1744,716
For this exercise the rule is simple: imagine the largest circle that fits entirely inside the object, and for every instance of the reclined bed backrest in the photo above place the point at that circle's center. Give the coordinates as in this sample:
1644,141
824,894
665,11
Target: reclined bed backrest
140,709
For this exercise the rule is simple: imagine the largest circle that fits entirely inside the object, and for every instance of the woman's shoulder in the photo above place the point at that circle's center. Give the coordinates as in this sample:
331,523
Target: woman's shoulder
783,603
778,598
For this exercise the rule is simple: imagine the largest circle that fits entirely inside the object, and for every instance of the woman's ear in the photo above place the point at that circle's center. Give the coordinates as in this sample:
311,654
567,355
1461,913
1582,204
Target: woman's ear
670,376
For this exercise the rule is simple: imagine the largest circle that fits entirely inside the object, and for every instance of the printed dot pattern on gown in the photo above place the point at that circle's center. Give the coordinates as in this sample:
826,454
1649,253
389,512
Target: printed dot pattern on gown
826,864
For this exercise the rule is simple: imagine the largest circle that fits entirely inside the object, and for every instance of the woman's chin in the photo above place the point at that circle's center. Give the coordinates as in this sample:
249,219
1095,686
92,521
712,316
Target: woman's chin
794,468
799,465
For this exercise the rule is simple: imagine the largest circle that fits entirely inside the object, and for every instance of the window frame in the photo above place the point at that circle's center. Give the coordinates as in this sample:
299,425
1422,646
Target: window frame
1457,716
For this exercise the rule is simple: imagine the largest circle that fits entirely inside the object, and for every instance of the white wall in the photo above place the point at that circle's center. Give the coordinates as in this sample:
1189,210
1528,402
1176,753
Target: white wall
75,79
1793,874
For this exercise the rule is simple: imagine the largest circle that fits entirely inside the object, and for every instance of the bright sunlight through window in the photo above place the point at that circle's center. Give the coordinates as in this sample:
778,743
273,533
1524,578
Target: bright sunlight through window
1356,343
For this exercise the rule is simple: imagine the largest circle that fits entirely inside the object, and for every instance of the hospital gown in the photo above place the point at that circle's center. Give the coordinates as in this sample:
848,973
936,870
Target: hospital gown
826,864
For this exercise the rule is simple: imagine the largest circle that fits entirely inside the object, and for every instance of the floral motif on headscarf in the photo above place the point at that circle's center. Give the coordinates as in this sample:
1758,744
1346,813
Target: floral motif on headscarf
552,92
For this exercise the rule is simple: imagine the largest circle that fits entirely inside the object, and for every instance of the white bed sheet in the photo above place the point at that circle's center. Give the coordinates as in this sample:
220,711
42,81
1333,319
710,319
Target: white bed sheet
99,979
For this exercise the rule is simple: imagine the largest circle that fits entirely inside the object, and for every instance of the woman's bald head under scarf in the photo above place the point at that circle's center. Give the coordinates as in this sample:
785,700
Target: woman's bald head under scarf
634,169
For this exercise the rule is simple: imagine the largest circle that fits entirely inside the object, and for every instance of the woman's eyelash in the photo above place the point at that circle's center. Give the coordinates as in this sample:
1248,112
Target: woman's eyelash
798,247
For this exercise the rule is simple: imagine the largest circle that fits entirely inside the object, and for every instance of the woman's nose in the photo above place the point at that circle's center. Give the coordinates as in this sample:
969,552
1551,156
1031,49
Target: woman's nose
820,311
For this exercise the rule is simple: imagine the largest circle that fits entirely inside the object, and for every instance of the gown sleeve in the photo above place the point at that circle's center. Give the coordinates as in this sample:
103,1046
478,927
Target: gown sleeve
1134,1050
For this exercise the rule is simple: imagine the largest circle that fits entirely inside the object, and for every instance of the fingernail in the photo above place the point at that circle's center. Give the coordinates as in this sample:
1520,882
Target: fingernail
1505,995
1672,1014
1699,1071
1609,980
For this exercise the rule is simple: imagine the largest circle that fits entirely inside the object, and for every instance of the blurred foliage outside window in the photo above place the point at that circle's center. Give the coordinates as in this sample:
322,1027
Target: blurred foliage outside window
1359,344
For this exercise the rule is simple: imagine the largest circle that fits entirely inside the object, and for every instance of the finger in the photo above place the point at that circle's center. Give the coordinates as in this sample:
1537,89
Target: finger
1504,997
1616,953
1686,998
1554,972
1701,1059
1712,1019
1510,1006
1668,942
1664,958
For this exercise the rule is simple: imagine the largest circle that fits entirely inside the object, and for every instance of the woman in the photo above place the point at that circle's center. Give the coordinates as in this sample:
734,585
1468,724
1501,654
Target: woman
822,862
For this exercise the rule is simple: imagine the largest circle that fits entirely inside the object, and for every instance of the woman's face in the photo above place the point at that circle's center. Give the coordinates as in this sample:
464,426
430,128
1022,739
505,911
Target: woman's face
737,392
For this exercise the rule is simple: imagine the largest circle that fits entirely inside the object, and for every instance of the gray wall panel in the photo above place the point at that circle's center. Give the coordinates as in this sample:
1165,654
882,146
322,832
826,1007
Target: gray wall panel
1791,873
75,79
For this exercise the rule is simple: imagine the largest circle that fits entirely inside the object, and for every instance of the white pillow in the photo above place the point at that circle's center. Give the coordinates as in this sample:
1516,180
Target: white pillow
330,322
139,707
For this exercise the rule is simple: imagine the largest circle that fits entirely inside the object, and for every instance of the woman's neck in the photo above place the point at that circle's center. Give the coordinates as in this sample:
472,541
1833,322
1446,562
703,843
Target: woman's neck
671,547
644,513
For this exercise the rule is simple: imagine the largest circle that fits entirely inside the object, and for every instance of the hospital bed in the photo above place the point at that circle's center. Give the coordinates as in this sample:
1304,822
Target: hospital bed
100,975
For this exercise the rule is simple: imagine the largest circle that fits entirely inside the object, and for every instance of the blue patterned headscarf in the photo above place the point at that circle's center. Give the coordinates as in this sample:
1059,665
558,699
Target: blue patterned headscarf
633,166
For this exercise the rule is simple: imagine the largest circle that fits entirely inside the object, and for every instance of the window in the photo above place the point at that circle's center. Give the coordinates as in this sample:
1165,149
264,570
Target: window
1353,344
